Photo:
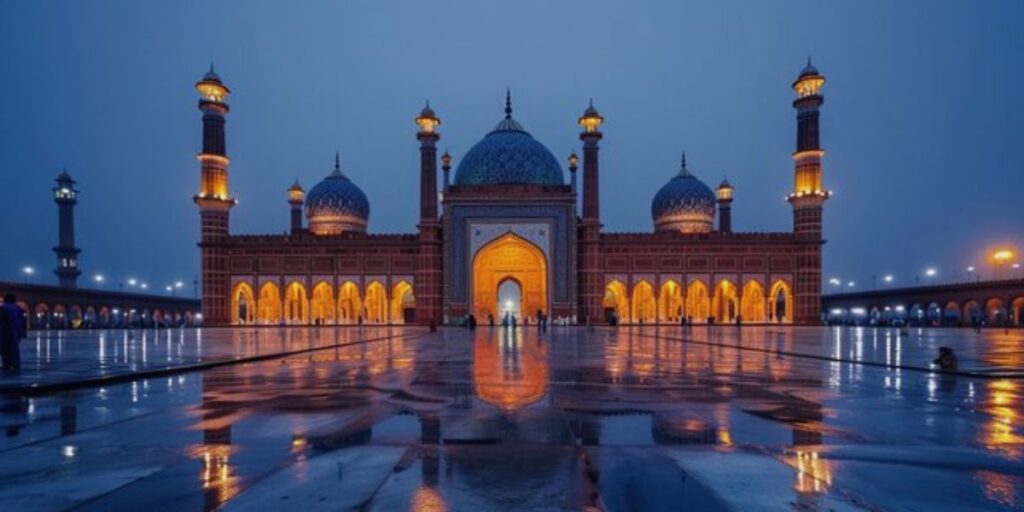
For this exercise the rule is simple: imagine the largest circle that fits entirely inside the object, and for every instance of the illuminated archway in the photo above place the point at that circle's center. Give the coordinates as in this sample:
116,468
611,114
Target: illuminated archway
401,300
510,256
724,303
376,303
780,300
616,301
698,304
60,316
951,313
269,305
42,315
752,304
75,317
322,307
972,312
296,304
645,309
1017,309
995,313
349,306
670,302
243,304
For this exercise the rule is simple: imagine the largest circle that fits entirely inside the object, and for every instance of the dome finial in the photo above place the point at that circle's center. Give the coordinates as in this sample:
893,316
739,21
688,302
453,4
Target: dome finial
508,103
337,164
682,161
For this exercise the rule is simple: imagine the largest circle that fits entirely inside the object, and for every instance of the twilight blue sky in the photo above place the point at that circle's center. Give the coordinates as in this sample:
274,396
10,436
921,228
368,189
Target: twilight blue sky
923,119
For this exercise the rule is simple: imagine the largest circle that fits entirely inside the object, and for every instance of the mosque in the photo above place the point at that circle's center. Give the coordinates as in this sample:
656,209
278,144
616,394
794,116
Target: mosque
504,236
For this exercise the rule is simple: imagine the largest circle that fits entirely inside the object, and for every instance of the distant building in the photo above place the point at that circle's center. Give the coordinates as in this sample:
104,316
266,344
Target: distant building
507,239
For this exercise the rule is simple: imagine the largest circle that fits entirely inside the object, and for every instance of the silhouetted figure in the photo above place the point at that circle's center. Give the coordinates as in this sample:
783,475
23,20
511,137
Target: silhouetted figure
12,330
947,360
490,319
472,321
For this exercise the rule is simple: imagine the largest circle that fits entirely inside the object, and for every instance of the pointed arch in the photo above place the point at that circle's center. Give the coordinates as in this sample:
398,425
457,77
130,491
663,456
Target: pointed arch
670,302
401,300
725,303
752,303
1016,310
350,306
269,304
376,303
509,255
243,304
322,307
780,300
995,312
698,303
296,304
645,308
616,301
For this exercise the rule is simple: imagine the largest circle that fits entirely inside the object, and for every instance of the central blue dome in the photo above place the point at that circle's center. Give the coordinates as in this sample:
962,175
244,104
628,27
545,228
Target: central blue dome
336,205
684,204
509,155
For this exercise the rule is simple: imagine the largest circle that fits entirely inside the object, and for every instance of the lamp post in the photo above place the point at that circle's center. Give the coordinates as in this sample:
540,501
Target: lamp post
99,279
1001,257
28,271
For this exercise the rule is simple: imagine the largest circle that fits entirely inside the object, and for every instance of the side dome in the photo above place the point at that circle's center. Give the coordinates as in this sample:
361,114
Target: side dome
684,204
336,205
509,155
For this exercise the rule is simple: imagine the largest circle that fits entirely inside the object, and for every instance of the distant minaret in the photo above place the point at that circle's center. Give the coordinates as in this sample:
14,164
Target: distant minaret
296,196
809,196
724,194
591,284
427,288
214,199
65,195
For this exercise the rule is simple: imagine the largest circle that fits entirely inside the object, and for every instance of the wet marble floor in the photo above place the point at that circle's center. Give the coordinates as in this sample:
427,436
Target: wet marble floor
758,418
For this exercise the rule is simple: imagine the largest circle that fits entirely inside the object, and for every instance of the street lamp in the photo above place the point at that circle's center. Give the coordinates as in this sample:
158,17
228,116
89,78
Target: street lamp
132,281
98,278
888,278
851,284
28,271
144,286
835,282
1001,258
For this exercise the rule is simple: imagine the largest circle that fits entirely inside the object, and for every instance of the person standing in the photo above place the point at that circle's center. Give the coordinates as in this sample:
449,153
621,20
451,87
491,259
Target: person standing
12,330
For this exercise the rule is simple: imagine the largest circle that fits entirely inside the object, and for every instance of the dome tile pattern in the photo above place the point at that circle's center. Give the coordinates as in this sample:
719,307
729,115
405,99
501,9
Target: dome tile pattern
336,205
509,155
684,204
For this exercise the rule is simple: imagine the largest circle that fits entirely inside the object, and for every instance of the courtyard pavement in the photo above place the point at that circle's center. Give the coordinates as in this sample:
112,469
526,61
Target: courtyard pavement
392,418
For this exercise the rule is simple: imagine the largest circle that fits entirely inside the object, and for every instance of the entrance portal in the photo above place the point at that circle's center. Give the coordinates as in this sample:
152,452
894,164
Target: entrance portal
510,299
503,267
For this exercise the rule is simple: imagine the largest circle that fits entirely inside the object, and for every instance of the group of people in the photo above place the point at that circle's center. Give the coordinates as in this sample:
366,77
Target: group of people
13,327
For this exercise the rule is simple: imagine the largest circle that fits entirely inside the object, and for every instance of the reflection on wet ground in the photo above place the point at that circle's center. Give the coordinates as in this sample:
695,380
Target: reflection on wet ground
568,419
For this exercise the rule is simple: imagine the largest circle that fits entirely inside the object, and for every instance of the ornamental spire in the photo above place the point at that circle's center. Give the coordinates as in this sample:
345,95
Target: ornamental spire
508,103
337,164
683,171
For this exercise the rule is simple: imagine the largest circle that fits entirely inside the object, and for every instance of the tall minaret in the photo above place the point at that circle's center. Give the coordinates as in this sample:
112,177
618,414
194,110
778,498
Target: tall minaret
214,199
809,196
591,287
65,195
724,196
427,288
296,196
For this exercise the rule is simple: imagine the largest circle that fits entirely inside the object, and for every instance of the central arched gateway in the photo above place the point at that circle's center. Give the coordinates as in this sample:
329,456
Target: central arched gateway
509,258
